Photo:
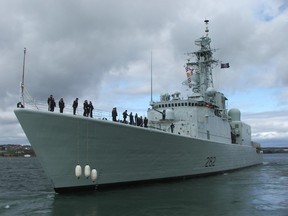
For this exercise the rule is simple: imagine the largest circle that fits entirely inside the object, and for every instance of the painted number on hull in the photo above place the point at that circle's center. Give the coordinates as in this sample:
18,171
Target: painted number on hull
210,161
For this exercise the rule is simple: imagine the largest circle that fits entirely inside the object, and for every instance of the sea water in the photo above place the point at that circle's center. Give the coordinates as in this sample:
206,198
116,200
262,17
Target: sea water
260,190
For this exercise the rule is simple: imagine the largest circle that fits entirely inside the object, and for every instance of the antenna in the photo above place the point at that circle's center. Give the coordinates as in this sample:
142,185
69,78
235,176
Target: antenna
22,81
151,81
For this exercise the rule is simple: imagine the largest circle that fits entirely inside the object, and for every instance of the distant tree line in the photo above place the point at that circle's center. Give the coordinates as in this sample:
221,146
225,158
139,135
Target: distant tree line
270,150
14,150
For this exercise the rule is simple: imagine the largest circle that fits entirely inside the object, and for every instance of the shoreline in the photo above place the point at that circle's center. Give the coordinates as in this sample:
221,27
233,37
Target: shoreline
17,150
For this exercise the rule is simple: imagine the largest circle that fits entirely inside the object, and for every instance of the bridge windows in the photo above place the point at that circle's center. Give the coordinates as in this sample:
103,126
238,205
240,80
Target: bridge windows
182,104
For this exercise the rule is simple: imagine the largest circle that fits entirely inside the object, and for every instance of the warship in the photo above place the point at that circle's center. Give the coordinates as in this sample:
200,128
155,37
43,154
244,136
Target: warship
185,137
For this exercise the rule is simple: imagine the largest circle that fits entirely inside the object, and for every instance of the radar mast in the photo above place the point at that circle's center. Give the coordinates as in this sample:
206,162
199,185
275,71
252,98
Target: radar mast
199,72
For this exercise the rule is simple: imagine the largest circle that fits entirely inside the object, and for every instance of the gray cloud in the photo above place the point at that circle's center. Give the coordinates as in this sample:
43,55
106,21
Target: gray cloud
100,50
269,128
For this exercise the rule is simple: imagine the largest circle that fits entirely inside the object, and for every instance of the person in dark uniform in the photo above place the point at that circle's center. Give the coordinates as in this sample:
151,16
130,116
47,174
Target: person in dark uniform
145,122
75,105
131,119
91,108
61,105
51,103
139,121
114,114
164,114
85,108
125,114
136,119
172,127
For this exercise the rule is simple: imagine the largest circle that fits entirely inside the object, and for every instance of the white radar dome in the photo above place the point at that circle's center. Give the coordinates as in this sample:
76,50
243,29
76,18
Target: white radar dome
210,91
235,114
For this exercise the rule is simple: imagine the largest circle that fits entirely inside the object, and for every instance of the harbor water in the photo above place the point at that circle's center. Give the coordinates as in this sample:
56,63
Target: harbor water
260,190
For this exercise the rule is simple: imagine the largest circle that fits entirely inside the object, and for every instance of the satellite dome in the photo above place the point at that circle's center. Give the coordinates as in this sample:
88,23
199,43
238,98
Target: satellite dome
235,114
210,91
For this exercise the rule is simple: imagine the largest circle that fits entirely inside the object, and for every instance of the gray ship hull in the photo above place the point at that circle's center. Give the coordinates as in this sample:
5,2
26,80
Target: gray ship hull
123,153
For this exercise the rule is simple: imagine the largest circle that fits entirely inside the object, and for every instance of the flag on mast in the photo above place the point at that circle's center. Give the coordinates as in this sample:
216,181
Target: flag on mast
189,73
225,65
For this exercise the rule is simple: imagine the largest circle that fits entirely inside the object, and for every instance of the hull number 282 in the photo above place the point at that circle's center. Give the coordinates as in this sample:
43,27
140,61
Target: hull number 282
210,161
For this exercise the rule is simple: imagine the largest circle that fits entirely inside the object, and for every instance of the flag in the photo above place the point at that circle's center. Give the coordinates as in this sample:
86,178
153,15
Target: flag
225,65
189,72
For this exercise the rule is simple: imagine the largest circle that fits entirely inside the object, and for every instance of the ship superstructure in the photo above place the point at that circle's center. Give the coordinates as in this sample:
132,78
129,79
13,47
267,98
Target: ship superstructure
203,114
185,137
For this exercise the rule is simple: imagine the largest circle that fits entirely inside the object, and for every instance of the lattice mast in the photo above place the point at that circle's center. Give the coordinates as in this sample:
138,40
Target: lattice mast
199,72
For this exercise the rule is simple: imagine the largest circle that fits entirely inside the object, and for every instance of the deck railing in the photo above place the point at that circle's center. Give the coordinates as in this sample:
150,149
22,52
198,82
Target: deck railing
31,103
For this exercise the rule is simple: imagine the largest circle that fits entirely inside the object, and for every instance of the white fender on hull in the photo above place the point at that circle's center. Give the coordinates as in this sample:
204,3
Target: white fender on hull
87,171
94,175
78,171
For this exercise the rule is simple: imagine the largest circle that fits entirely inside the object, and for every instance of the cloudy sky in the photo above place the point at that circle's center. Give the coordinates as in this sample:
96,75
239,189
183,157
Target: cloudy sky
101,51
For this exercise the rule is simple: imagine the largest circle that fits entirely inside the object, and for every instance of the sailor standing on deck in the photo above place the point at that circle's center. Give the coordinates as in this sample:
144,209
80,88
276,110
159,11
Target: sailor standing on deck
85,108
51,103
75,105
131,119
136,119
164,114
125,114
91,109
61,105
145,122
114,114
172,127
140,121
